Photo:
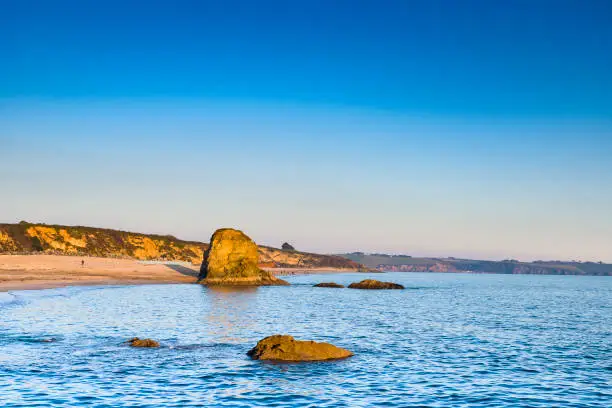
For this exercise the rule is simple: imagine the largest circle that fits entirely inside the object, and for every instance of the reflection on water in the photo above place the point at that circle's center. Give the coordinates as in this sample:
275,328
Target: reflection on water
448,340
228,307
224,291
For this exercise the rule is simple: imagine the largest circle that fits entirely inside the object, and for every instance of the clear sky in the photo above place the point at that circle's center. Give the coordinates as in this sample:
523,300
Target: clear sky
449,128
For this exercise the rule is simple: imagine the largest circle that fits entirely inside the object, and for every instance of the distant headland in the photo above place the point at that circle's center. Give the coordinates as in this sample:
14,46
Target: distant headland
406,263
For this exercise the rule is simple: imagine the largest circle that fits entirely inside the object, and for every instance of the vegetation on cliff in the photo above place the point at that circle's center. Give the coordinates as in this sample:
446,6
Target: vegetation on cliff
287,247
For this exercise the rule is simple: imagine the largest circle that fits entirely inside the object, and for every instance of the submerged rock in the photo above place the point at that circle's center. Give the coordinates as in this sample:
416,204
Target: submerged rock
374,284
136,342
286,348
328,285
231,259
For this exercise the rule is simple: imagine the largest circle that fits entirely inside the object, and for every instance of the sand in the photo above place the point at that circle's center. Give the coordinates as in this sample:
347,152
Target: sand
50,271
24,272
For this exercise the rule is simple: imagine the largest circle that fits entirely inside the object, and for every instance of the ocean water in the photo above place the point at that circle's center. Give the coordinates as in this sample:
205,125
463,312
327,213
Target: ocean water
448,340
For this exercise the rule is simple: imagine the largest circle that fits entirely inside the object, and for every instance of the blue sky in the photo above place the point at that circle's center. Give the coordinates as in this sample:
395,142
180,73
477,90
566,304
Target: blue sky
474,128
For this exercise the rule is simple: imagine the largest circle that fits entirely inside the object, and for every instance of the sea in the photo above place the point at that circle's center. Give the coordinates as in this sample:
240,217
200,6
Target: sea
447,340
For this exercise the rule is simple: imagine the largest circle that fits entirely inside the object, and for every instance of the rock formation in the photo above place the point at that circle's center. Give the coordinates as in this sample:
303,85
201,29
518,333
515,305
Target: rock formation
374,284
328,285
231,259
136,342
286,348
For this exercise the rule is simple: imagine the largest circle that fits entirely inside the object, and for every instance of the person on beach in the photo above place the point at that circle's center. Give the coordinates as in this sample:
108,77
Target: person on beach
82,263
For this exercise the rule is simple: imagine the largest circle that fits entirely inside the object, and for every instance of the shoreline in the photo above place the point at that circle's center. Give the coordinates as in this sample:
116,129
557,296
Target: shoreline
36,272
43,284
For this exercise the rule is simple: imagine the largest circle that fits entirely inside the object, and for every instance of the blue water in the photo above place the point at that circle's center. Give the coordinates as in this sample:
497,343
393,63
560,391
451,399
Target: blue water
448,340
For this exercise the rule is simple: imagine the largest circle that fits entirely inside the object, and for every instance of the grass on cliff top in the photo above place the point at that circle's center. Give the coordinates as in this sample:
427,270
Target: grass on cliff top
79,230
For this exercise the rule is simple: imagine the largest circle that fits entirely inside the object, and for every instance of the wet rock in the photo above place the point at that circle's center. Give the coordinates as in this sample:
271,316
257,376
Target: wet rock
136,342
231,259
374,284
328,285
286,348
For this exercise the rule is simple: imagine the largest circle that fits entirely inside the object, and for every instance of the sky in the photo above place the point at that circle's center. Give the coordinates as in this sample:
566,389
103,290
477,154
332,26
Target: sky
477,129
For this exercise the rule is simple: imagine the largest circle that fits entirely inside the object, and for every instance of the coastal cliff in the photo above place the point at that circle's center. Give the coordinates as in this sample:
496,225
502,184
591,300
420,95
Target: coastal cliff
26,238
405,263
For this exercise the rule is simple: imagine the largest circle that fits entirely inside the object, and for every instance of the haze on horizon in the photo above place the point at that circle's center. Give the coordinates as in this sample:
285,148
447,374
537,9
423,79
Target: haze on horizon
471,129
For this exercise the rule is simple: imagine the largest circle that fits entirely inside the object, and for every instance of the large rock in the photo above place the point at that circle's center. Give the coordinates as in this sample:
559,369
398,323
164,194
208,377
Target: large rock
328,285
374,284
136,342
286,348
231,259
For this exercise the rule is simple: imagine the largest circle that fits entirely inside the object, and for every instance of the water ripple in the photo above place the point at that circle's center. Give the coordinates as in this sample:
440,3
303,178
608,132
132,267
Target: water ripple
451,340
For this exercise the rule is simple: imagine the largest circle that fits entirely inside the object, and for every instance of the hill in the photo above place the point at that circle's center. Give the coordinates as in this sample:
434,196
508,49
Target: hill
27,238
405,263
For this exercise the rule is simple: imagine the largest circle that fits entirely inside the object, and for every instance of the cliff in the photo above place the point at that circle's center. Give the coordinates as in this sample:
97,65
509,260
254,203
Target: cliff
404,263
76,240
88,241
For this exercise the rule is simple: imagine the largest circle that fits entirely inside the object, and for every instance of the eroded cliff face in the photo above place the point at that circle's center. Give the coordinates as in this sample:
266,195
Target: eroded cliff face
7,243
64,240
70,240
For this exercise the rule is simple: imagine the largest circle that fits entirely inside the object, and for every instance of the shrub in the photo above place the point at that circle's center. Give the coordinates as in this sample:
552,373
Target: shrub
287,247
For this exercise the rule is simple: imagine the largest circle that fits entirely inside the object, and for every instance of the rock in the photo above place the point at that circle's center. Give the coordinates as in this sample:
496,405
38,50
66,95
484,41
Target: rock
136,342
287,247
374,284
286,348
328,285
231,259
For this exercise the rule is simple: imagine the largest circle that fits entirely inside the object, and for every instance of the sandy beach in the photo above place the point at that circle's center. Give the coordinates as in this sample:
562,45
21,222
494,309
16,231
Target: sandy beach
49,271
23,272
